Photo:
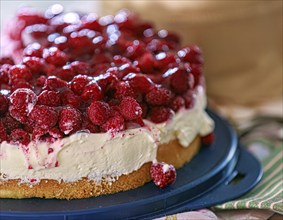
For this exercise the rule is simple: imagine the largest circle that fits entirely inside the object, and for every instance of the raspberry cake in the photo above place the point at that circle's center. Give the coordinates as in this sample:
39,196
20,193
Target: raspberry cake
93,106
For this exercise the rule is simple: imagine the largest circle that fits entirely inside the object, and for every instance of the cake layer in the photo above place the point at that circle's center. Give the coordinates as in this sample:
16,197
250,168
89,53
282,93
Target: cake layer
172,153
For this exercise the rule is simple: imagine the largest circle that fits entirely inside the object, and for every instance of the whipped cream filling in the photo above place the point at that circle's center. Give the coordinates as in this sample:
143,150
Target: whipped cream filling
102,155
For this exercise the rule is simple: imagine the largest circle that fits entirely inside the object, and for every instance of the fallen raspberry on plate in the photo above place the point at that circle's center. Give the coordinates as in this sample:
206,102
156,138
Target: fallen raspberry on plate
162,174
208,139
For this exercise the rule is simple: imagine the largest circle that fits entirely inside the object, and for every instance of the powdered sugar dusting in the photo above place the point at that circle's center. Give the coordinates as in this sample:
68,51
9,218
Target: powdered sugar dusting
165,168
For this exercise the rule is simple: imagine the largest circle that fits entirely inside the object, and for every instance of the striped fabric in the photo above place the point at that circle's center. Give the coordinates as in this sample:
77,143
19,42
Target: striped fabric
268,194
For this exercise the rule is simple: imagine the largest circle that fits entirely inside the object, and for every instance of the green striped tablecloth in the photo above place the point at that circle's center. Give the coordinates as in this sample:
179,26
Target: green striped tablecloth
263,137
268,194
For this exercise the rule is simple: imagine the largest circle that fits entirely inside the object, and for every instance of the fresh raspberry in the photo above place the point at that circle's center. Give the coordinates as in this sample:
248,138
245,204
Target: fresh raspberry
3,133
109,60
23,100
78,83
107,81
43,116
69,98
126,20
70,120
177,103
91,22
61,42
135,49
55,133
80,68
158,96
137,123
115,123
98,69
46,135
119,60
190,99
191,54
159,45
4,73
126,69
164,59
208,139
101,58
54,56
39,134
197,72
98,112
19,136
37,31
6,60
10,123
21,84
81,41
88,125
3,104
49,98
169,36
20,114
40,81
54,83
51,70
160,114
130,108
92,91
180,81
29,16
33,50
28,126
35,65
139,82
123,89
162,174
99,43
18,72
145,29
65,73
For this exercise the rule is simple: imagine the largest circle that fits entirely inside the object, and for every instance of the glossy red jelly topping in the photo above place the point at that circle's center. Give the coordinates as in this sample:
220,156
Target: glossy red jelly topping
72,72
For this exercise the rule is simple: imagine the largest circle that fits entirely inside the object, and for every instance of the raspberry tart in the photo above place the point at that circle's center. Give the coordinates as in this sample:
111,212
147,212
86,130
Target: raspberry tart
92,106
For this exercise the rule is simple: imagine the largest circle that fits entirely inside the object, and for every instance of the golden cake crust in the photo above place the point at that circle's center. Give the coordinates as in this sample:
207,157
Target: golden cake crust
172,153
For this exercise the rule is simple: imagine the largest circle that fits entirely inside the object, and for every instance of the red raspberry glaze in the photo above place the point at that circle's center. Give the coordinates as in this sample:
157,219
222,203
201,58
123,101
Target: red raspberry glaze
95,74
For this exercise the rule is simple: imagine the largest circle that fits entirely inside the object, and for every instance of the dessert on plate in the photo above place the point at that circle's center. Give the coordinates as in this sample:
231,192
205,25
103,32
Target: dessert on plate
92,106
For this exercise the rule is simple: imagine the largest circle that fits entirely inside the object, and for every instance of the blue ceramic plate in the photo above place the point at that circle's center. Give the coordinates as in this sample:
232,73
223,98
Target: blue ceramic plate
203,182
